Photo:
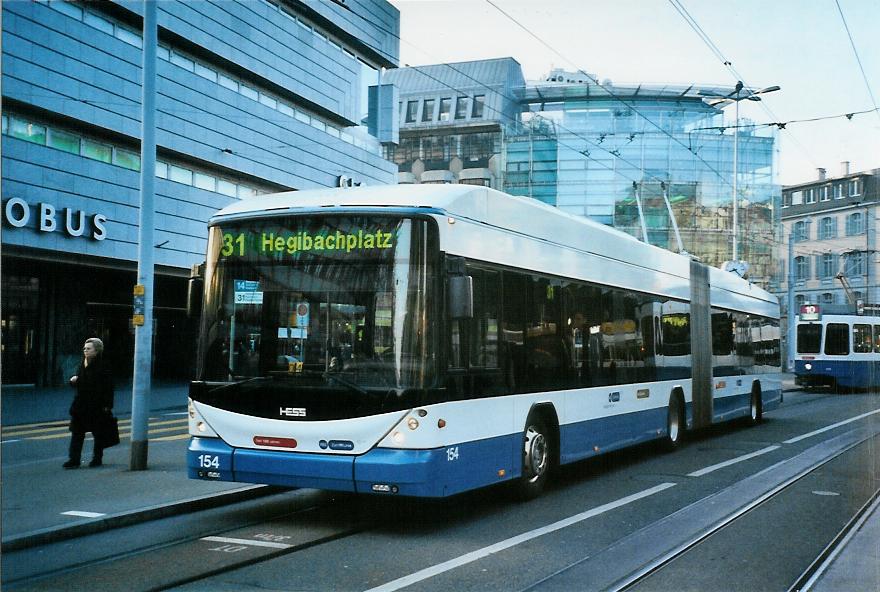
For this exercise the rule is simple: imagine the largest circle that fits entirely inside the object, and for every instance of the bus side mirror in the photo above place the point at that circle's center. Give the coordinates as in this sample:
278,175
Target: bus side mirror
461,297
194,291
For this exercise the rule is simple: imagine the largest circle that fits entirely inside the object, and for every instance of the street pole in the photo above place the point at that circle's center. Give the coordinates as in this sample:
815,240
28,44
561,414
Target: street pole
739,86
143,345
792,335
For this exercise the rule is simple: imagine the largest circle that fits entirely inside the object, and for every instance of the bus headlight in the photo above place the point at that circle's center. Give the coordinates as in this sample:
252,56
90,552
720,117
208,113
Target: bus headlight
398,437
412,422
808,366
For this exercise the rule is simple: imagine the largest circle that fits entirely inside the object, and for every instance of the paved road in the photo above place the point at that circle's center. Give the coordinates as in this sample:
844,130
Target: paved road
585,531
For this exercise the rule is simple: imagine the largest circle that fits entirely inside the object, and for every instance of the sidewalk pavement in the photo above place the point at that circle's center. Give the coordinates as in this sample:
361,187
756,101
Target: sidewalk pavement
37,492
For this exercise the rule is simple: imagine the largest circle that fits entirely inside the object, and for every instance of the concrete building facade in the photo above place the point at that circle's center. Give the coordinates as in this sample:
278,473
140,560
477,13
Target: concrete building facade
832,222
252,97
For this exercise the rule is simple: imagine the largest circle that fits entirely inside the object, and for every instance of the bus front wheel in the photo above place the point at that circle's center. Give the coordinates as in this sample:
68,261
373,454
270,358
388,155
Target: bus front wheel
537,458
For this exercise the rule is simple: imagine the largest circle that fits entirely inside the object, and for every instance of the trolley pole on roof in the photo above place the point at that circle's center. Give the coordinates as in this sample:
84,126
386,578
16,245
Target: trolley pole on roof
143,291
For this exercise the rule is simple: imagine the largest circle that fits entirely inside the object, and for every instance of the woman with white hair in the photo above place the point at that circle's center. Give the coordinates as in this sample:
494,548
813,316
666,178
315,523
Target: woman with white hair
91,405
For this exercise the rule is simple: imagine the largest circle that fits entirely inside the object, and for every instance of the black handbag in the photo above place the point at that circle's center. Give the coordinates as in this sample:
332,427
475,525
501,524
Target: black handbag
108,433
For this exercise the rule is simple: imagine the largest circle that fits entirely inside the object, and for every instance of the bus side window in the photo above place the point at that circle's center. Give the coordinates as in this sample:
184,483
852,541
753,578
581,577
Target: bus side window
837,339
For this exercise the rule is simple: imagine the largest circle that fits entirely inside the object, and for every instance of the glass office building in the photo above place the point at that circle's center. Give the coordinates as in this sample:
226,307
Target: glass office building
631,155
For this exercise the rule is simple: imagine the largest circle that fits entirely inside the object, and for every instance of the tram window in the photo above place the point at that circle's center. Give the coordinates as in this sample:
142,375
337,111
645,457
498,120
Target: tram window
837,339
877,338
862,339
808,339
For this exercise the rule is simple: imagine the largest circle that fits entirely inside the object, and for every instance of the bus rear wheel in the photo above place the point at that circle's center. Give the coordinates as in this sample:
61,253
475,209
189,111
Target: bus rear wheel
675,423
755,412
537,458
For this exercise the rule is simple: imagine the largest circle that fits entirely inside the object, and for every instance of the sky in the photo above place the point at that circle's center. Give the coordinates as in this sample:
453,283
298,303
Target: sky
800,45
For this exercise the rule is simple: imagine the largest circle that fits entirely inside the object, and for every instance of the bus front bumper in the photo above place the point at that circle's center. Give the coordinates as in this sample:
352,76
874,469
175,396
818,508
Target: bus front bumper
417,473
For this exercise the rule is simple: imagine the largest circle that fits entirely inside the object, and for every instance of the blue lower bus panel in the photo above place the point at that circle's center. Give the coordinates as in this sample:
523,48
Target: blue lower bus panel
209,458
437,472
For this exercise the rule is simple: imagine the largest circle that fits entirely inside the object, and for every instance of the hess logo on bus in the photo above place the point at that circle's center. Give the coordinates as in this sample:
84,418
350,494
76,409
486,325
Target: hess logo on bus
292,411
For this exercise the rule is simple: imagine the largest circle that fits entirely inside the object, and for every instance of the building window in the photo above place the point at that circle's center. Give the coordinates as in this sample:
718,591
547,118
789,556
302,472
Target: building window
801,268
810,196
97,150
801,231
206,72
838,191
181,175
827,227
428,110
25,130
445,108
479,103
206,182
855,187
800,300
412,108
64,141
797,198
854,264
854,224
786,200
826,267
126,159
827,298
825,193
462,106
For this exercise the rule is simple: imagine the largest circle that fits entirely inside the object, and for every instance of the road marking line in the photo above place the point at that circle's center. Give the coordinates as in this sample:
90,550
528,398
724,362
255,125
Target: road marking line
250,542
831,427
8,441
434,570
44,430
732,461
39,424
170,438
83,514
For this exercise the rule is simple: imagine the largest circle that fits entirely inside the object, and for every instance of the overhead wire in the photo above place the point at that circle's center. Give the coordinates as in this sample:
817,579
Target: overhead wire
858,59
728,64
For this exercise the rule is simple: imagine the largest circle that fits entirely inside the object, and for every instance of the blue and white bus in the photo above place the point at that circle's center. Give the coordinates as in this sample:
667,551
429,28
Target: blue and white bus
837,348
431,339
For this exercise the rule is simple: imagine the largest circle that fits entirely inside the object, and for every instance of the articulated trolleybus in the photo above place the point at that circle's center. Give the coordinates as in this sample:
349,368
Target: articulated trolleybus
838,346
427,340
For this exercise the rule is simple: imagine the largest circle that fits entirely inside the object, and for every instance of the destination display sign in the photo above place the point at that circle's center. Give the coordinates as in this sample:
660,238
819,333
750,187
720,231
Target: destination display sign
810,312
338,239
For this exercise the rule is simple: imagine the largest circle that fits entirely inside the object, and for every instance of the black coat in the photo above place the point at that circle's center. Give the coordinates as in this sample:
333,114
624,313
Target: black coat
94,393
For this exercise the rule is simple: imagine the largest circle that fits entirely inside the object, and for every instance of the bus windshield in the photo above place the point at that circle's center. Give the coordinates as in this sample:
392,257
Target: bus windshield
335,302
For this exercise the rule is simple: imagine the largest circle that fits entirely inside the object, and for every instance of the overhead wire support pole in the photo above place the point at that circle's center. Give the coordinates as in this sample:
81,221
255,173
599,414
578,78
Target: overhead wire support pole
143,345
663,186
739,86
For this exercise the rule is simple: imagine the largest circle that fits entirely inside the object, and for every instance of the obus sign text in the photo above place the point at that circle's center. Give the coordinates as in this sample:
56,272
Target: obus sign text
17,213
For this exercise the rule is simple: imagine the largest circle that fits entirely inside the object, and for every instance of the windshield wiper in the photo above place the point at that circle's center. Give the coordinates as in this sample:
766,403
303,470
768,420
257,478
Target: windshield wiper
346,382
239,383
